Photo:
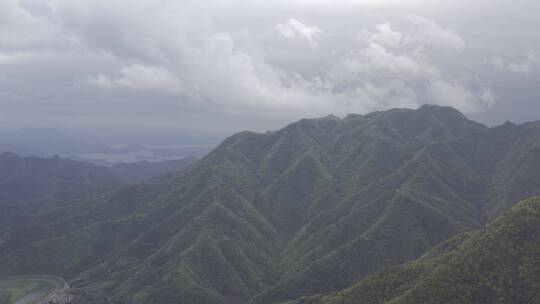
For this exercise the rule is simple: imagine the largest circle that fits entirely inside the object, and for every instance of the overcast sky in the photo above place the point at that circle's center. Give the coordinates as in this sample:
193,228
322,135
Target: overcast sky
217,67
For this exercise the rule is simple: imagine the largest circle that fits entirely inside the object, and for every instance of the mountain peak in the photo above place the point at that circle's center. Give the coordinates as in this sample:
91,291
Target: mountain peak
352,116
439,110
330,117
436,107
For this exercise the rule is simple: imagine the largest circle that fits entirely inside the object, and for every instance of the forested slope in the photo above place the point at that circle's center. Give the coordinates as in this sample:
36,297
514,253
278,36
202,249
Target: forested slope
309,209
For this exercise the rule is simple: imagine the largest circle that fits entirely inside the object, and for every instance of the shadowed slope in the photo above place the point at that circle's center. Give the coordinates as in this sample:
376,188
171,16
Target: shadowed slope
498,265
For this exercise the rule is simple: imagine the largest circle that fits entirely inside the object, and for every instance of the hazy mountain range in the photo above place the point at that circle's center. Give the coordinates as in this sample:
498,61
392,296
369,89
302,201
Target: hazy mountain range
314,208
46,142
49,142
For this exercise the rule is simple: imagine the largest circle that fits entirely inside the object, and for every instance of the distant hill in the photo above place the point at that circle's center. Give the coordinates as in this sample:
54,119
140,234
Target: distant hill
310,209
139,171
34,178
500,264
35,192
33,185
50,142
45,142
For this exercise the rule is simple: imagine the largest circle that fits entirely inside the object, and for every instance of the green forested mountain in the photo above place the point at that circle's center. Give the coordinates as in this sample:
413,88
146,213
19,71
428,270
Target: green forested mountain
312,208
139,171
31,189
33,178
500,264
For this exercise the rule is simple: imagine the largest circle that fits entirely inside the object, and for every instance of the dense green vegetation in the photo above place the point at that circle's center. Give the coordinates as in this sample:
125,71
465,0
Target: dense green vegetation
31,187
30,179
41,198
500,264
139,171
312,208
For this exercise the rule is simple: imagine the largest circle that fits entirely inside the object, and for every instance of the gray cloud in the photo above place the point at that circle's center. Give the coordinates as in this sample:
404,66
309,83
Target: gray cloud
294,29
527,66
255,64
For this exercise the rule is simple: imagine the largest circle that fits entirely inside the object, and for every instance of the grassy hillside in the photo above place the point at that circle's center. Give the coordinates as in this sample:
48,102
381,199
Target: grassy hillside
499,264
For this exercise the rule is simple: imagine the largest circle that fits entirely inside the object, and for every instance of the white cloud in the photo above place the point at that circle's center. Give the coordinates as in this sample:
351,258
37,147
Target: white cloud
376,62
457,95
20,29
140,77
16,57
428,32
405,80
294,29
385,36
362,3
424,33
403,65
227,72
524,67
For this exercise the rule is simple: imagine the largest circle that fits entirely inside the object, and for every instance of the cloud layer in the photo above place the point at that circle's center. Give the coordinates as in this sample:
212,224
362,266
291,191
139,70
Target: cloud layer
275,61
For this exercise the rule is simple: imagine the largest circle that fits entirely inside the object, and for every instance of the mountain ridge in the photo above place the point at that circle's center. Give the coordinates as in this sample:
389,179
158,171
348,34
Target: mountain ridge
311,208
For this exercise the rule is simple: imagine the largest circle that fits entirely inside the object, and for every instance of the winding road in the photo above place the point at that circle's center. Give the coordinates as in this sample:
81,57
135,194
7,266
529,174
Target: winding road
48,284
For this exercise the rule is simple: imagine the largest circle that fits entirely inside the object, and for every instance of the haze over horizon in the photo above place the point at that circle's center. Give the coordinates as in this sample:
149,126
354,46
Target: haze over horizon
201,70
